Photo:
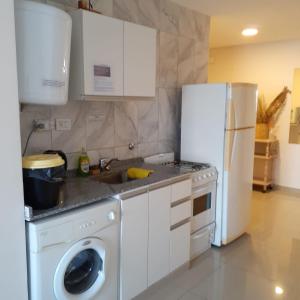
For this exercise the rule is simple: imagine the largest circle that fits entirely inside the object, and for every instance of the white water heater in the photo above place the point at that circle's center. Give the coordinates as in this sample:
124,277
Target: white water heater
43,39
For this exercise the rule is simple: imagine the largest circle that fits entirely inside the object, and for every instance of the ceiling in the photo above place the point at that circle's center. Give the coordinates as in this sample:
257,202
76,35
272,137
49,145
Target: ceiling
275,19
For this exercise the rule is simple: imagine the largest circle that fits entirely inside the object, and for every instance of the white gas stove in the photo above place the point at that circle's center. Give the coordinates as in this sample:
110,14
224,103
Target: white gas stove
202,173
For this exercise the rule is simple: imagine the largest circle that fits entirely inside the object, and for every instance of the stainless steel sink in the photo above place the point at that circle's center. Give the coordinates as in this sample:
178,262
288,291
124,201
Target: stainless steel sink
114,177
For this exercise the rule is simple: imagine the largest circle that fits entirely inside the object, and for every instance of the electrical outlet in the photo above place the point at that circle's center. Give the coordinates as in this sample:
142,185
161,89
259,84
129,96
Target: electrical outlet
42,125
63,124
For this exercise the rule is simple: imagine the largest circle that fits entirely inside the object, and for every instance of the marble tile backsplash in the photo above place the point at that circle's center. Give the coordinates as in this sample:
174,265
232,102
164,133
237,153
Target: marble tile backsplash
106,128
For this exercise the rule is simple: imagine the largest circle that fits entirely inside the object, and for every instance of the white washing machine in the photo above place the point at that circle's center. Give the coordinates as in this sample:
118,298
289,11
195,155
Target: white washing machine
75,255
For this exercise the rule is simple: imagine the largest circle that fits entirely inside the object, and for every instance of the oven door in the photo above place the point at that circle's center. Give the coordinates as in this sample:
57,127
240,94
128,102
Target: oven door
204,205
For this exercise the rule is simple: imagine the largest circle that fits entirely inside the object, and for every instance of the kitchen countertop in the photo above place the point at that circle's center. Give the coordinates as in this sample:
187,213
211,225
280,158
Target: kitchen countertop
80,191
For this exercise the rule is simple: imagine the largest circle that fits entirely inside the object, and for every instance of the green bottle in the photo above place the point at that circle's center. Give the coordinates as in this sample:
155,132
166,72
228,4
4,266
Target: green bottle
83,164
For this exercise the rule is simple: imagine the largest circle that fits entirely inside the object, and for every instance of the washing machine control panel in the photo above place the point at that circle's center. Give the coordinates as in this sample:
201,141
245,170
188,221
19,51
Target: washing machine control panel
87,224
95,223
72,226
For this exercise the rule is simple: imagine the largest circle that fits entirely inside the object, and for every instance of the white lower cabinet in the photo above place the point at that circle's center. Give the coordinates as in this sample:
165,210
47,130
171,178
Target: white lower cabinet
159,234
180,246
134,246
149,249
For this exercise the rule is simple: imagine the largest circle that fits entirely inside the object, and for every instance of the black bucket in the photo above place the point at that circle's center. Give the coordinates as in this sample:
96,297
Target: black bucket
42,186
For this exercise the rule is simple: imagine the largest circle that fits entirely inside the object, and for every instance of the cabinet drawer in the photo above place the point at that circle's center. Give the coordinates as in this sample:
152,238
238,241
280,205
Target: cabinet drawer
181,212
180,246
200,241
181,190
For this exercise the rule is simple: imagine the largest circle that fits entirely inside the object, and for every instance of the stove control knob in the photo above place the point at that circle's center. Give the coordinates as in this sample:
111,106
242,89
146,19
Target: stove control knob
204,176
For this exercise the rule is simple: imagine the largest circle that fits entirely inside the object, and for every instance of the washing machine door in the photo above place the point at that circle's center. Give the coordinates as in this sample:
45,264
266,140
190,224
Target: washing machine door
81,272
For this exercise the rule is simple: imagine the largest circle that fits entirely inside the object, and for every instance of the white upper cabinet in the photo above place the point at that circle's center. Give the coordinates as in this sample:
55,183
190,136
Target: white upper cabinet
102,55
139,60
110,57
96,56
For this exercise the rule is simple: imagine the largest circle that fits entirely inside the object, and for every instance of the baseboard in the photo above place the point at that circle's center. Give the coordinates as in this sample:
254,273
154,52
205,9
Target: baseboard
287,190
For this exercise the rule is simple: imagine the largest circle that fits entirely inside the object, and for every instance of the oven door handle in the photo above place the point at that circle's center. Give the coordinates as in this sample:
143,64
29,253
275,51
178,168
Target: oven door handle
199,235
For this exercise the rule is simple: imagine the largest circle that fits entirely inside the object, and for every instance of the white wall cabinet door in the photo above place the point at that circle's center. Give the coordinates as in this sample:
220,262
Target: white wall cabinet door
139,60
103,55
134,246
159,234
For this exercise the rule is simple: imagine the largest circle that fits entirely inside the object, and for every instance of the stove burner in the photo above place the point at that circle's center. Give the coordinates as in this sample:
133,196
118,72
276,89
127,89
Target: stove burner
188,165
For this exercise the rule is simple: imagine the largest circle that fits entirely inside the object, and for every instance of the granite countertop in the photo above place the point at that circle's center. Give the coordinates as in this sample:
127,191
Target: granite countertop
80,191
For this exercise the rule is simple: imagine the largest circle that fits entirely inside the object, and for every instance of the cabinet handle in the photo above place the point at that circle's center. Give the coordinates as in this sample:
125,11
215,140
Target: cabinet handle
173,227
177,203
132,194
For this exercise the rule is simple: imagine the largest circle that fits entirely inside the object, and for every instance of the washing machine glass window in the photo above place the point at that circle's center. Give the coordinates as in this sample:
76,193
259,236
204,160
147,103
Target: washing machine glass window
81,272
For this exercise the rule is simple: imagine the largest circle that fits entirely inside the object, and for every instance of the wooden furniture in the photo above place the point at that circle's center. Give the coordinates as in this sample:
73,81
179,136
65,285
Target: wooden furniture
266,151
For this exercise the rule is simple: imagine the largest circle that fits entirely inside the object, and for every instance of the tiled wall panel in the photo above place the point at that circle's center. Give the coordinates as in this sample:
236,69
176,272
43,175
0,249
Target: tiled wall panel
106,128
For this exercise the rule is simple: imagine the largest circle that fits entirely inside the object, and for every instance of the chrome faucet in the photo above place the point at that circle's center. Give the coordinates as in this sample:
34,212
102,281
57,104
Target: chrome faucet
105,164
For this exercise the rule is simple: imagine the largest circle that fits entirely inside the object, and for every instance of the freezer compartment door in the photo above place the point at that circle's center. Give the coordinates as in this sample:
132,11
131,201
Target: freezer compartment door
237,183
203,122
241,105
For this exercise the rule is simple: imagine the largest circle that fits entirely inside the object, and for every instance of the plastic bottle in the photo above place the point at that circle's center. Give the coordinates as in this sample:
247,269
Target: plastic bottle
83,164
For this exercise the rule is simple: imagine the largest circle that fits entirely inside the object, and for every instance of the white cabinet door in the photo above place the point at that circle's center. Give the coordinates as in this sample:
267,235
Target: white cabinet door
134,246
139,60
159,234
180,246
102,39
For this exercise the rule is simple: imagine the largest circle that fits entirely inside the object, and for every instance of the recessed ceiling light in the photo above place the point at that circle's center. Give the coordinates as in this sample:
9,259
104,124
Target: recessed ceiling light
279,290
249,32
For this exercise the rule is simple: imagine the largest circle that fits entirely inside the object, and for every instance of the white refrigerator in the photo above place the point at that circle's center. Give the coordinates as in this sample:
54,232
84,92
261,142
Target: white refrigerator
218,127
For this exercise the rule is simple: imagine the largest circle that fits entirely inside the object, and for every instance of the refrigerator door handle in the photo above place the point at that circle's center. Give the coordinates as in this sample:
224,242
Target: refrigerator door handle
231,118
230,139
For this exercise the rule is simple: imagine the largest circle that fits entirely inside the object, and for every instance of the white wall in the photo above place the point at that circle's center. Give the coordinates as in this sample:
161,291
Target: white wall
13,282
271,65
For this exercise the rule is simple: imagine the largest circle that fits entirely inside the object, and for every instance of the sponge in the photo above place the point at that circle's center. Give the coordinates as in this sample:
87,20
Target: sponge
138,173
